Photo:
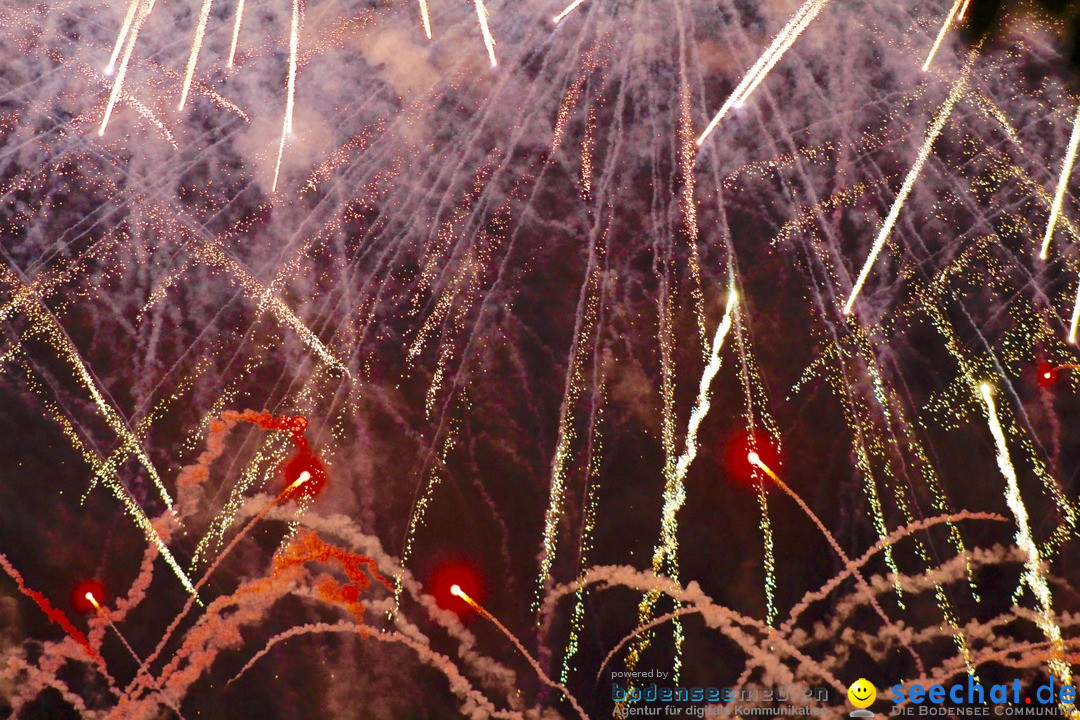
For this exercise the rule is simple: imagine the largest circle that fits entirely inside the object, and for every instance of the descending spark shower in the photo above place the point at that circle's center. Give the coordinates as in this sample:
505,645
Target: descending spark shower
424,359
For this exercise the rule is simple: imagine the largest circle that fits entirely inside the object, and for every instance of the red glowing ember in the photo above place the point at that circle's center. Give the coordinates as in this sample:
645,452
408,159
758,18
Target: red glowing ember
83,591
1047,374
737,456
305,476
462,575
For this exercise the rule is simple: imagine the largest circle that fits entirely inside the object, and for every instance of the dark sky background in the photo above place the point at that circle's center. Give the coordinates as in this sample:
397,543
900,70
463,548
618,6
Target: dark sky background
485,288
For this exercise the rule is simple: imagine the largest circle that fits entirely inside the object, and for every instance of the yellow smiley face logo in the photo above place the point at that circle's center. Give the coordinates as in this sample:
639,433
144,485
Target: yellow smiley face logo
861,693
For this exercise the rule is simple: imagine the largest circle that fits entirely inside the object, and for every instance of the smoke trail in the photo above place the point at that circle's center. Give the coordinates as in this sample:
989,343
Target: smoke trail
54,615
477,705
458,592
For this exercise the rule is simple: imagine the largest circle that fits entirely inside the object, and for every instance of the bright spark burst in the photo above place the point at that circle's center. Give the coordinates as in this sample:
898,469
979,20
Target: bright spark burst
406,203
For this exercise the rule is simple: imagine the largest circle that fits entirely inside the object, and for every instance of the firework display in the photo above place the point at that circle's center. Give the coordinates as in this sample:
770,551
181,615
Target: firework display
488,359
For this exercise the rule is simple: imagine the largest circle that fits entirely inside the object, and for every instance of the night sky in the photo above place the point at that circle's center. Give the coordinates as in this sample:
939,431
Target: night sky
451,329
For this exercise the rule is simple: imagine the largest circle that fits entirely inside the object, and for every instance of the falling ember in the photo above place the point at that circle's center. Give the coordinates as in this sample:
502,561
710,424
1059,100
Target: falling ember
129,46
460,574
780,44
566,11
941,34
300,480
193,56
489,41
1047,374
958,89
1033,572
738,450
129,18
779,52
236,32
1059,196
425,19
290,88
305,476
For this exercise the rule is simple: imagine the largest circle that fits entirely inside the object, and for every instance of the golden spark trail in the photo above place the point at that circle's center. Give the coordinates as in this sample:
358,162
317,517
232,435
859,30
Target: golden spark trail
1033,575
489,42
963,10
424,18
44,322
667,563
196,46
909,182
941,34
756,415
584,324
129,18
456,591
105,471
569,9
420,508
214,254
1062,187
783,40
588,530
118,83
688,208
139,515
290,91
235,32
